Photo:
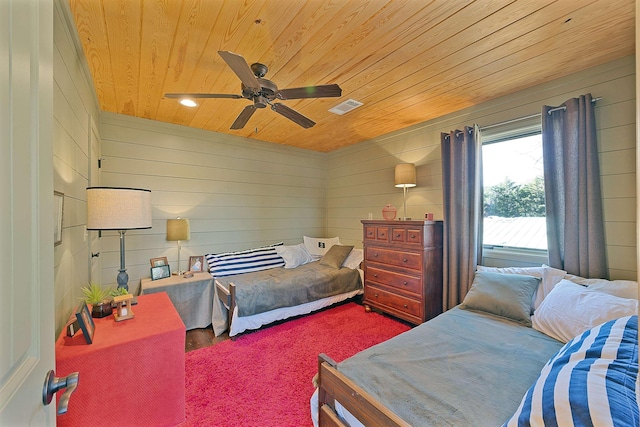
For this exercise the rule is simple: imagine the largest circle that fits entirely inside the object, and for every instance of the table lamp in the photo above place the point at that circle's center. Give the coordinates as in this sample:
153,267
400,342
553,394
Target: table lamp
119,209
177,230
405,177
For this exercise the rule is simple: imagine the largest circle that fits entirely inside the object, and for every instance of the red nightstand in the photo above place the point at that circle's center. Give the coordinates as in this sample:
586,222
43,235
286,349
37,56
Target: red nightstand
132,374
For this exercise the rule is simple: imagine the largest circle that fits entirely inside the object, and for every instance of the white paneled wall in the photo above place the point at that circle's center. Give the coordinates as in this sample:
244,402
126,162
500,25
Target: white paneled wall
73,103
239,193
236,192
360,177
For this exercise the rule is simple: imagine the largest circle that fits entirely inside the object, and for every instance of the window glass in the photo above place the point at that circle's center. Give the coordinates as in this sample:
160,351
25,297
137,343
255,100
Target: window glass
513,179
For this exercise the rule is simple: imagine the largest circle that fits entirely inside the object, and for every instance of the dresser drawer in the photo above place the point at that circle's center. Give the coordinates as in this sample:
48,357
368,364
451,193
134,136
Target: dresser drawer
406,235
395,258
377,233
378,296
397,280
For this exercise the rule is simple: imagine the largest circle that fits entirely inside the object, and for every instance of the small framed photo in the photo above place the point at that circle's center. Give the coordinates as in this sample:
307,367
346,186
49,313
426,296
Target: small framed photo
196,263
159,262
160,272
72,327
85,321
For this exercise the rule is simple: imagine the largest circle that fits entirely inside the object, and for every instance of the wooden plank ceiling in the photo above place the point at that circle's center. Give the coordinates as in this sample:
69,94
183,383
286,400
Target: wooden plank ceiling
408,61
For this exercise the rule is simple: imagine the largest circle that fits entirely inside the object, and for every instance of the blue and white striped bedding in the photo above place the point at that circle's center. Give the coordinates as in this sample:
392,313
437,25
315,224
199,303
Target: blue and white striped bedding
247,261
591,381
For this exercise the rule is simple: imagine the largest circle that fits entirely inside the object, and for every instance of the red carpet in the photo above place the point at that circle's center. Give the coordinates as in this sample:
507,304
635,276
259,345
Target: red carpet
264,378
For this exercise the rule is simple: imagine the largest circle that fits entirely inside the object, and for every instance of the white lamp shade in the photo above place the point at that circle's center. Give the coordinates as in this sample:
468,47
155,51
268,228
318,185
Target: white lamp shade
178,229
405,175
110,208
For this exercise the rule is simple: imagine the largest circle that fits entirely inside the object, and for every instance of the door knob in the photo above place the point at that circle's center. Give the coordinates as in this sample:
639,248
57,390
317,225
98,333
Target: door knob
53,384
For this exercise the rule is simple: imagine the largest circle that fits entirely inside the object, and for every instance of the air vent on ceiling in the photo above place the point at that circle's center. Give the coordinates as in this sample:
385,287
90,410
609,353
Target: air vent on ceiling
345,107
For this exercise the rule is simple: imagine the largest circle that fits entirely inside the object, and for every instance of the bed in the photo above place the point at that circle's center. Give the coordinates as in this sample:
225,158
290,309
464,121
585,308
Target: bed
289,281
490,362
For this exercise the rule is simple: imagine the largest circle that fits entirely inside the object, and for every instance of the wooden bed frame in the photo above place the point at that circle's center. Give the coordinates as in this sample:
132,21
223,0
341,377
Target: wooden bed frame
332,386
228,298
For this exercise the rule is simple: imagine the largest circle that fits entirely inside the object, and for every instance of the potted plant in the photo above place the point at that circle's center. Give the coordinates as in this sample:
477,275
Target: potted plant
99,298
118,291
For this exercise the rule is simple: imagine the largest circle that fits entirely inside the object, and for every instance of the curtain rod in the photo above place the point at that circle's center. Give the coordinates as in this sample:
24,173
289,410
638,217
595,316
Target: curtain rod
563,108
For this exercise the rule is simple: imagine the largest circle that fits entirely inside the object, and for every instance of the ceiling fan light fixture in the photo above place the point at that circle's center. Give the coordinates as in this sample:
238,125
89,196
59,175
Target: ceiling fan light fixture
345,107
188,102
261,92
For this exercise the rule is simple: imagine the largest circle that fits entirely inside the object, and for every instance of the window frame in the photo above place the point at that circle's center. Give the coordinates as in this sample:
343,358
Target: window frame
502,255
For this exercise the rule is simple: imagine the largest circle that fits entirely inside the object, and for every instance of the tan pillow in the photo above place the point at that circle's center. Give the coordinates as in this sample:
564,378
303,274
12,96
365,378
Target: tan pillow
336,255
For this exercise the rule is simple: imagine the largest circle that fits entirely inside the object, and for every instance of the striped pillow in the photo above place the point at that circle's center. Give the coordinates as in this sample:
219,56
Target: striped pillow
590,381
229,263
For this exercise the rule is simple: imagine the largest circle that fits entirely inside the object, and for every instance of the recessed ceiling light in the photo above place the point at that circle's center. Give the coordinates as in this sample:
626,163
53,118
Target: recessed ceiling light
187,102
345,107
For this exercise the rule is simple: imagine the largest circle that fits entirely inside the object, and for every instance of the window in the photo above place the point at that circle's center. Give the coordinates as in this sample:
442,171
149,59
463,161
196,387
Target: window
513,179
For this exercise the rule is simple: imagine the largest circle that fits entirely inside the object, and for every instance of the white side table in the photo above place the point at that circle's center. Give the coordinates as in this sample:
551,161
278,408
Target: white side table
192,297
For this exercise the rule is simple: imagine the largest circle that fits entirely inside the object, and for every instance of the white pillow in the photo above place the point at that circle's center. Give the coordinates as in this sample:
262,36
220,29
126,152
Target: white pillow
619,288
294,256
570,309
550,277
318,247
354,259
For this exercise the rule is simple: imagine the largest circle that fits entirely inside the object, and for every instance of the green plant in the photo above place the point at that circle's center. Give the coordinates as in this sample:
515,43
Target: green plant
95,294
118,291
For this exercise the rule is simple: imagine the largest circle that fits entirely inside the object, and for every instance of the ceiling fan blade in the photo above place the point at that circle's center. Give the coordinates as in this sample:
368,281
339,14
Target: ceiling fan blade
321,91
293,115
239,66
202,95
244,117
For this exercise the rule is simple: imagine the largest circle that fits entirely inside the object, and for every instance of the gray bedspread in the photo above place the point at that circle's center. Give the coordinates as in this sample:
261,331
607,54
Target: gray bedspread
267,290
462,368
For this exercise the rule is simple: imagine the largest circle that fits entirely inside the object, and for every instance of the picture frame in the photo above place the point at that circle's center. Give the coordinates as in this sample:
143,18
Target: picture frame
58,209
72,327
160,272
159,262
196,263
85,321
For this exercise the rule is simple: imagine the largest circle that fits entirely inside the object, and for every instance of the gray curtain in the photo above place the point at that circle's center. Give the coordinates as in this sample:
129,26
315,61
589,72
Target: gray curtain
575,229
462,205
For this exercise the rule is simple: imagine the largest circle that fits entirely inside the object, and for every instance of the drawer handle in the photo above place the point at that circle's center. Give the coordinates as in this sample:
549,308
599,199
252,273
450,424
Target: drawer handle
375,255
375,295
375,275
404,260
405,283
406,306
398,235
413,236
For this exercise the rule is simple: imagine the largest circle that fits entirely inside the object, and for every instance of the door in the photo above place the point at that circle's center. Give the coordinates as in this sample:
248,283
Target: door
95,160
27,332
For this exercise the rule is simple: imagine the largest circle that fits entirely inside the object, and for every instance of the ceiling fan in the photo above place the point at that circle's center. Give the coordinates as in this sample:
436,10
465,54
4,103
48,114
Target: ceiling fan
262,92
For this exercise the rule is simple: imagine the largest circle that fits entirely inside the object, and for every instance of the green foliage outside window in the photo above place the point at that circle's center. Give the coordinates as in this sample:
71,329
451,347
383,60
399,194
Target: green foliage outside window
511,200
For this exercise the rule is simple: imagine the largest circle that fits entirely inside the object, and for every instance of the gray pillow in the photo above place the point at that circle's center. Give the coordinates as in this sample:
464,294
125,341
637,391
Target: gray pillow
335,256
505,295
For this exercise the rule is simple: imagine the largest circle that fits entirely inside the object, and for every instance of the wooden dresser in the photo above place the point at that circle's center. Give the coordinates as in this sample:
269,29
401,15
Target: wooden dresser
403,268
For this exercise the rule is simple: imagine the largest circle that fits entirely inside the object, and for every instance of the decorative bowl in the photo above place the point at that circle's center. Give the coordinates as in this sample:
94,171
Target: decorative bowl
389,212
